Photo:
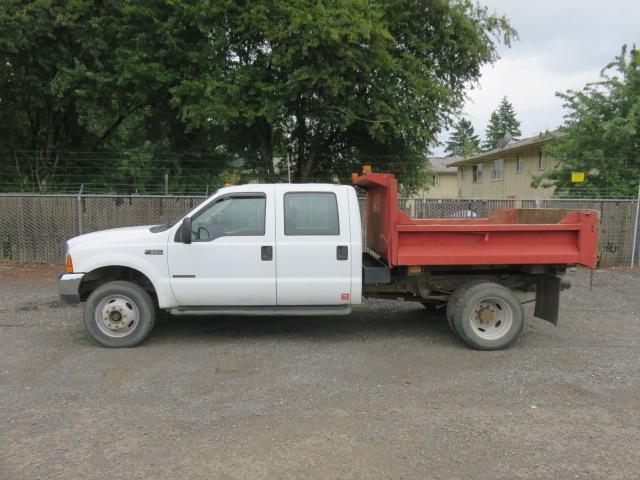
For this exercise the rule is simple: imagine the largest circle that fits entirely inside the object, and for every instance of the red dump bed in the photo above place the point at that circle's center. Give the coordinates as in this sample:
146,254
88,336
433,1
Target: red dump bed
508,237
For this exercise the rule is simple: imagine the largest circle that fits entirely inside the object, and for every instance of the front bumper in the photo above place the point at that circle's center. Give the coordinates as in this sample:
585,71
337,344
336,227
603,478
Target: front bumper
69,287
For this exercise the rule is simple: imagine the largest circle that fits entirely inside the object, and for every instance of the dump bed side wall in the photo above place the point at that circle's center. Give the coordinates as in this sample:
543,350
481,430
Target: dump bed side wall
507,237
488,248
570,237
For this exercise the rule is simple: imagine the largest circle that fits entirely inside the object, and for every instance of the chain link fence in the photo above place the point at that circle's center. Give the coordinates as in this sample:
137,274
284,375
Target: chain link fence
34,228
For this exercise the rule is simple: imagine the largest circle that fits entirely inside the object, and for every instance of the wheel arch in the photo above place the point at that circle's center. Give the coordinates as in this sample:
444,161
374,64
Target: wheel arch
101,275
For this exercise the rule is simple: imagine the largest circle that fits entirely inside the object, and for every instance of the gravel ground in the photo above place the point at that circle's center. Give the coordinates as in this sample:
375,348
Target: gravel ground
385,393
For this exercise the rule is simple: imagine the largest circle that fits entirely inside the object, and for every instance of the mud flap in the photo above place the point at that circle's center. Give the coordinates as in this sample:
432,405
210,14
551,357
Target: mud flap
548,298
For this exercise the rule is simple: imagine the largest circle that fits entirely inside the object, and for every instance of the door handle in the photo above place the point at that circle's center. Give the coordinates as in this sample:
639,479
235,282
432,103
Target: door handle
342,252
266,253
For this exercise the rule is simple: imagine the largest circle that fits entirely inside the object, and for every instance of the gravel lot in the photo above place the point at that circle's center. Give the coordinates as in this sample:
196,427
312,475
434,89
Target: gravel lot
385,393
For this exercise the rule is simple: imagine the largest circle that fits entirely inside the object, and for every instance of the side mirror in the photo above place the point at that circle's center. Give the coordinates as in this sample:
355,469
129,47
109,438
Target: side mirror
185,230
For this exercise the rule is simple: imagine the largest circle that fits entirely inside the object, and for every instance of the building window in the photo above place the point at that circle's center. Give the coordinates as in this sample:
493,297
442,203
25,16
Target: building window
477,173
542,161
497,168
435,180
461,173
311,213
519,164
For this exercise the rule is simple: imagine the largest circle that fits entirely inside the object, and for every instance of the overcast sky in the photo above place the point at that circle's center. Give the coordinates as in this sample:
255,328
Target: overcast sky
563,45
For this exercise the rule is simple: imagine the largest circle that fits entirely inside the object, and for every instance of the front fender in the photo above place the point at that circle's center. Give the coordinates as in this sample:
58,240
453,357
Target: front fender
154,267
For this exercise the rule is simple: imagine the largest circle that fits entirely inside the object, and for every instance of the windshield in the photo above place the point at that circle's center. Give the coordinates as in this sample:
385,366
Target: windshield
166,226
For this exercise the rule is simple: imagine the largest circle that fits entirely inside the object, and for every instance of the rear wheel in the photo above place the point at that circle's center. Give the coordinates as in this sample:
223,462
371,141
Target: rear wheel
488,316
119,314
453,299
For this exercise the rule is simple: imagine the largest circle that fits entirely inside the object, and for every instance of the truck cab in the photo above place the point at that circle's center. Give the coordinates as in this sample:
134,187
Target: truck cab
269,246
279,249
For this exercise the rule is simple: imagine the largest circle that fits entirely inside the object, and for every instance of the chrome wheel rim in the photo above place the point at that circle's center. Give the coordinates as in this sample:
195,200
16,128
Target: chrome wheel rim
116,316
491,318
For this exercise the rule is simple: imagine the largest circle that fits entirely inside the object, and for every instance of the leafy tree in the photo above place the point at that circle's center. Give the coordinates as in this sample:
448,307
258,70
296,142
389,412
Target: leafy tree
601,134
231,84
95,77
463,141
502,121
43,69
337,83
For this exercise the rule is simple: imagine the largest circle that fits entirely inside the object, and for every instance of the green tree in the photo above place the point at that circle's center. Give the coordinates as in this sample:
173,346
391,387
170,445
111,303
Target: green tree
337,83
85,90
463,141
231,84
502,121
601,134
46,75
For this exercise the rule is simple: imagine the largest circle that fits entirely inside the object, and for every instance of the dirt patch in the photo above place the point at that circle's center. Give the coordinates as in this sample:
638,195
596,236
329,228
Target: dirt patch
17,272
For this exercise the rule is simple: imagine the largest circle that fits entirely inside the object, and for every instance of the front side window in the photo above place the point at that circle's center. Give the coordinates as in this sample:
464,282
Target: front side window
436,180
461,173
230,216
311,213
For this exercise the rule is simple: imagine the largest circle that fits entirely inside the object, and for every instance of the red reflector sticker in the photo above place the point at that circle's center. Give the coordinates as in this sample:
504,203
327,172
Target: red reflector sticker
344,296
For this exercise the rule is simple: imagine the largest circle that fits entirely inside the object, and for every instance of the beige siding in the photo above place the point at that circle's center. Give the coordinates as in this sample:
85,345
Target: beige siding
513,185
447,186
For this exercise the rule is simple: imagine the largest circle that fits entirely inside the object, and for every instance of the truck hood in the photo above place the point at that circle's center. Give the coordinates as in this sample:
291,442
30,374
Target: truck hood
117,236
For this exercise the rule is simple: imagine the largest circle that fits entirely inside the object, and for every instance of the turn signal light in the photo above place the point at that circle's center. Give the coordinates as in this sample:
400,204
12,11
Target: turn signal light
366,169
354,177
68,264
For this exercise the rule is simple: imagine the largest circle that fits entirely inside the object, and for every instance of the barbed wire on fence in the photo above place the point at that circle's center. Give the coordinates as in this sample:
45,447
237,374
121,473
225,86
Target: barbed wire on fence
189,172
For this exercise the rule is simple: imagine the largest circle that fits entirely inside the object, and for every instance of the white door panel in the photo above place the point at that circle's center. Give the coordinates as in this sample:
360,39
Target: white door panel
309,274
308,269
227,270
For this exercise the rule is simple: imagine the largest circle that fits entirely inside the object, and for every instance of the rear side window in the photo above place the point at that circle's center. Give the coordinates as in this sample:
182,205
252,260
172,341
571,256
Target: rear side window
311,213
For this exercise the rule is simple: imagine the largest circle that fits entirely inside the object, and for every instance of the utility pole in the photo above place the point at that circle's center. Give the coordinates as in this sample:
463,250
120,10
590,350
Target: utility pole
635,229
288,169
166,182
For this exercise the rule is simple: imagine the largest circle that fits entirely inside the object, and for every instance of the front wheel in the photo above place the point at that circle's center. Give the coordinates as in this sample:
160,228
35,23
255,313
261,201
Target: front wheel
119,314
488,316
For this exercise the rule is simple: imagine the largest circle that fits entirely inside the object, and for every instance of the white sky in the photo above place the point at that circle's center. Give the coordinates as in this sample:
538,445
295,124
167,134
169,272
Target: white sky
563,45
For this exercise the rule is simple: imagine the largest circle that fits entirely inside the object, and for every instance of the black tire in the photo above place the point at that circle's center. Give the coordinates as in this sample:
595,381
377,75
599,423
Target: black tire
493,295
134,297
453,299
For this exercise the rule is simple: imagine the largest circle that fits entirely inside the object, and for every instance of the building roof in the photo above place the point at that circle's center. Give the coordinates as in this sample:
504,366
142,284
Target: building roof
441,164
540,139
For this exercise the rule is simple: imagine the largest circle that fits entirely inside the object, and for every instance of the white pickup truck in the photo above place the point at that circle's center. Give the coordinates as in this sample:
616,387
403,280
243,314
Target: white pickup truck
292,249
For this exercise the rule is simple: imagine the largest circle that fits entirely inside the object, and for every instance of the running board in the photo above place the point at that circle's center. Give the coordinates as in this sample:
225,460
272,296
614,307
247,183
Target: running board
302,311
